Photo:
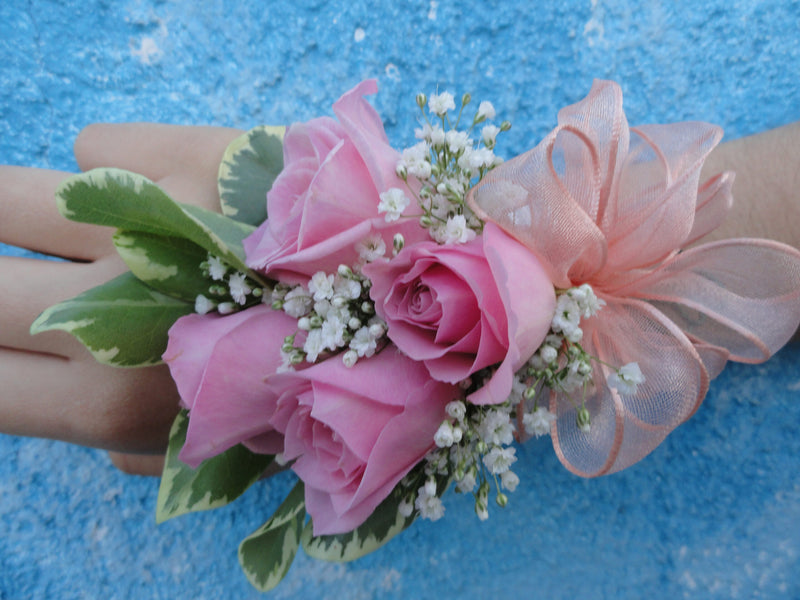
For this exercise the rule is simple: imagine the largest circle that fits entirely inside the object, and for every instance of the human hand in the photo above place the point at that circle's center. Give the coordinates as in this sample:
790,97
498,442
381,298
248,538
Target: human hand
51,385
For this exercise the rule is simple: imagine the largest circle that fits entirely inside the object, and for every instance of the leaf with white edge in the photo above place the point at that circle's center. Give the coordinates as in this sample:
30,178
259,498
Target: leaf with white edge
224,233
267,553
216,482
381,526
117,198
170,265
123,323
247,171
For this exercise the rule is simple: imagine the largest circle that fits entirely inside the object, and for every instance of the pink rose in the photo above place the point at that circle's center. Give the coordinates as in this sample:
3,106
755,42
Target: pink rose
325,201
219,365
355,433
460,308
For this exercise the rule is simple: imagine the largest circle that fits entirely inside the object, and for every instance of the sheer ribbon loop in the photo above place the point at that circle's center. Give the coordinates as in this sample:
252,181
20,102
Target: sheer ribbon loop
614,207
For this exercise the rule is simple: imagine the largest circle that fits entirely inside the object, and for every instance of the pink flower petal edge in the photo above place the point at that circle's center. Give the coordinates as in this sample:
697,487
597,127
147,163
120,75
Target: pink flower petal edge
219,365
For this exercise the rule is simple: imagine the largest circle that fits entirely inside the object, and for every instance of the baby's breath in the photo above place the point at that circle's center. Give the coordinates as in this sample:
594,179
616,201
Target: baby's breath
561,364
446,162
473,449
229,290
334,313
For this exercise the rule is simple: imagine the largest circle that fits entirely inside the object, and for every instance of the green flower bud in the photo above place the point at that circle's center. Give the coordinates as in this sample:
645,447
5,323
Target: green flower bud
584,420
483,490
398,242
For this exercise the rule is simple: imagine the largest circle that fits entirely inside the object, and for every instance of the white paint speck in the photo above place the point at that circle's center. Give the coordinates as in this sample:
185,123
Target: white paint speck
432,11
594,30
392,72
359,34
148,51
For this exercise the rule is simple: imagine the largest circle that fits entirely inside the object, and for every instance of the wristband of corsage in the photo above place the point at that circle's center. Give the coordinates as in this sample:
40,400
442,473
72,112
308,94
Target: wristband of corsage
402,318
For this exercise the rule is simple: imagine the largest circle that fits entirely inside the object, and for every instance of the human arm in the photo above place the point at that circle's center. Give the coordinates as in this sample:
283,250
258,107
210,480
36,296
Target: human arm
766,191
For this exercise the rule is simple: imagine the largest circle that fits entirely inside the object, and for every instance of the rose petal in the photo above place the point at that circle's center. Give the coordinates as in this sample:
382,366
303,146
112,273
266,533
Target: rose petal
365,128
230,403
528,301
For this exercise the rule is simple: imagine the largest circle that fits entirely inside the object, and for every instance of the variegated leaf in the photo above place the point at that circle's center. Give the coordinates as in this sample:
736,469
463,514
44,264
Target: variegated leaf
267,553
130,201
216,482
171,265
123,322
381,526
248,168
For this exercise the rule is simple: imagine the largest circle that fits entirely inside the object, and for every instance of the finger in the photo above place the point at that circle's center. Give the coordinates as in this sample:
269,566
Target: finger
200,191
29,286
152,149
30,219
151,465
83,402
24,409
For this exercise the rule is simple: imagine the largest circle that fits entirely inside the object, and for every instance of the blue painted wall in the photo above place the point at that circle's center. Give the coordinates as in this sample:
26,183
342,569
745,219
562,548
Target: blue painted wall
712,513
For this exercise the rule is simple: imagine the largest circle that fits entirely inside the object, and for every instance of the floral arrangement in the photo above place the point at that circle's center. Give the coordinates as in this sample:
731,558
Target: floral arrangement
402,319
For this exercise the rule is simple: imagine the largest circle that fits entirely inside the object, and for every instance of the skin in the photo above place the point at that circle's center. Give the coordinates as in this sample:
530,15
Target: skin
53,388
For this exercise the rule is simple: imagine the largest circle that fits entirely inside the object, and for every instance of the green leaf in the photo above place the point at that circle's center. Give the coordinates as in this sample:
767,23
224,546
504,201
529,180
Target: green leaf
129,201
216,482
247,171
381,526
267,553
123,322
170,265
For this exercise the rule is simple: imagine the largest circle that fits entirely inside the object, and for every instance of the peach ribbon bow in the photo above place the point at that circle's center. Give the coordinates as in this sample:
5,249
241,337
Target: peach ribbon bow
616,207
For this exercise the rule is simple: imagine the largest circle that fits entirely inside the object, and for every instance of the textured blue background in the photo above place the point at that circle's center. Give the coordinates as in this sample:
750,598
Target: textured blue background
712,513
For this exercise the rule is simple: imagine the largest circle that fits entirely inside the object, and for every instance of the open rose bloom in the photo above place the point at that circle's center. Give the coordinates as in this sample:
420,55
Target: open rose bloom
595,203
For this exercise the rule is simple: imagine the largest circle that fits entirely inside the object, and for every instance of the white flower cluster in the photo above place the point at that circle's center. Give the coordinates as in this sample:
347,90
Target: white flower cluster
473,446
234,291
334,312
561,364
446,162
626,379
